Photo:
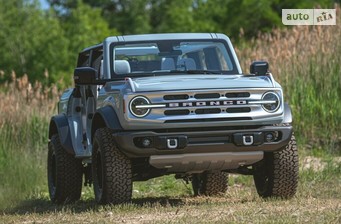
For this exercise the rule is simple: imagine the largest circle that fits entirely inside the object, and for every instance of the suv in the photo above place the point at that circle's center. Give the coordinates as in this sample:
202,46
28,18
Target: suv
144,106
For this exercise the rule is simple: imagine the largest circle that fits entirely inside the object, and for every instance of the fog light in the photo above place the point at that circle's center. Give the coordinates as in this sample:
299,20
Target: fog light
269,137
146,142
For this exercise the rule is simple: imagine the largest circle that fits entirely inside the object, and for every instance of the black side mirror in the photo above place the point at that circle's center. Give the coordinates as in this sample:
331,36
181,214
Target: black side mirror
259,67
85,76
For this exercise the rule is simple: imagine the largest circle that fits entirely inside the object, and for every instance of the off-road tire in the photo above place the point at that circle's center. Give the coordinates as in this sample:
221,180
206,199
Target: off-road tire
210,184
64,173
277,174
111,170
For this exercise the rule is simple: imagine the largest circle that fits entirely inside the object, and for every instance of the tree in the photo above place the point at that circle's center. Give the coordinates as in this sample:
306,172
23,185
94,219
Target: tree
125,16
31,40
84,27
34,40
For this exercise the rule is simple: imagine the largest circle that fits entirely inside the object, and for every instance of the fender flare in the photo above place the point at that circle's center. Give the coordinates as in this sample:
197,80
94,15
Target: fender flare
105,117
287,114
59,125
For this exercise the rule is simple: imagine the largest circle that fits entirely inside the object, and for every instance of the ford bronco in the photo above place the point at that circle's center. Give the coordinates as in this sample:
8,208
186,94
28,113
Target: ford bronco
144,106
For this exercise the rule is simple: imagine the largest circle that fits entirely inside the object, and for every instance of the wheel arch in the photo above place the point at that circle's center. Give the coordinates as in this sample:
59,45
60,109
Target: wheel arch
59,125
287,114
105,117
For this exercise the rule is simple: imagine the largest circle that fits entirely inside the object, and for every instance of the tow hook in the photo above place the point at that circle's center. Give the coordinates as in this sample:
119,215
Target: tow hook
247,139
172,143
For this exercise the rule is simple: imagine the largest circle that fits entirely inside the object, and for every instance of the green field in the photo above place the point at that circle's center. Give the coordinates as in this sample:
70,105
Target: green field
166,200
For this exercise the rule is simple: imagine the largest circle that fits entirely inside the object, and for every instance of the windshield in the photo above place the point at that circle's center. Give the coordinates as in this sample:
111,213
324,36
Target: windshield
172,57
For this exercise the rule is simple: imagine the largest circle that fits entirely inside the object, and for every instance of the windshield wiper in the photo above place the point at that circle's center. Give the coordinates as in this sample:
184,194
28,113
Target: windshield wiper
202,72
195,71
165,72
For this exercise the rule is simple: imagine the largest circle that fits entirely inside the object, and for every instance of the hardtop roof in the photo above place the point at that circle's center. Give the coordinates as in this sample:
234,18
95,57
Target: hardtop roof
157,37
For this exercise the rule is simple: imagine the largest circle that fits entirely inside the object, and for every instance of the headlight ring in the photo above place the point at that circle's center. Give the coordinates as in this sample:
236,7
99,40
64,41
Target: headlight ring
271,103
137,101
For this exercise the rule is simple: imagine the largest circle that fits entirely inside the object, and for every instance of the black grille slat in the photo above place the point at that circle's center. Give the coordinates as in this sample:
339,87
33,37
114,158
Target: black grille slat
176,97
207,96
210,120
176,112
238,110
208,111
237,95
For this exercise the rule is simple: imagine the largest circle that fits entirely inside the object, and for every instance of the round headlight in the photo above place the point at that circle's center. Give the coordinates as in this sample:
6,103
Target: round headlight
135,109
272,102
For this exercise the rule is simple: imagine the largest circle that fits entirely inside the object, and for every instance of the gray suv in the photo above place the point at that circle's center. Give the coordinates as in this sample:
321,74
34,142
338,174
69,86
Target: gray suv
144,106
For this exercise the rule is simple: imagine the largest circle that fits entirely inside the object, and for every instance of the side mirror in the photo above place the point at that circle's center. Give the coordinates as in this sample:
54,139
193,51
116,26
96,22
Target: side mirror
85,75
259,67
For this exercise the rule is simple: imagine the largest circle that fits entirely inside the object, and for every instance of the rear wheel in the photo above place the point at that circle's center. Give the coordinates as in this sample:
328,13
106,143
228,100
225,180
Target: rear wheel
111,170
210,184
64,173
277,174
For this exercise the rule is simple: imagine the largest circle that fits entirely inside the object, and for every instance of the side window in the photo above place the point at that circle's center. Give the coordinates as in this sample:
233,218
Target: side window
98,65
97,62
83,59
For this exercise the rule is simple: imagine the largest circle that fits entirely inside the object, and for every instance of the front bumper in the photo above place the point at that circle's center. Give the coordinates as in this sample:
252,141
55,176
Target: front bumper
202,141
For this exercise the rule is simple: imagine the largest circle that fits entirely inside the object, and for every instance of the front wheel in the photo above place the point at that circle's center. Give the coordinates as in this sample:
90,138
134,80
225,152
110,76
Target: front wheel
111,170
277,174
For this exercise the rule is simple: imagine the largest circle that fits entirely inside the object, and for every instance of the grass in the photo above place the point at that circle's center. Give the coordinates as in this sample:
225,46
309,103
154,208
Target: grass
24,116
166,200
22,161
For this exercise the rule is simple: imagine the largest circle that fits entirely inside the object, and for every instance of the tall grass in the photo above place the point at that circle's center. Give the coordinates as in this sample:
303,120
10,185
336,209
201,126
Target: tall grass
24,114
306,60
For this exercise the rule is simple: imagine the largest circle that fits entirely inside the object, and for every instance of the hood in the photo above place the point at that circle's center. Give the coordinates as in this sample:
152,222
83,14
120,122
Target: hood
185,82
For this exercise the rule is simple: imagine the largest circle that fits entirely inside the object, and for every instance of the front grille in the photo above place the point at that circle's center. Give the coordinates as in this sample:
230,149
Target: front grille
194,106
211,105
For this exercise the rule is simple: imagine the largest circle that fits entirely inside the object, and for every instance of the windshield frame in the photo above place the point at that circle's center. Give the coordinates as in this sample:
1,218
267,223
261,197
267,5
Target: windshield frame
112,45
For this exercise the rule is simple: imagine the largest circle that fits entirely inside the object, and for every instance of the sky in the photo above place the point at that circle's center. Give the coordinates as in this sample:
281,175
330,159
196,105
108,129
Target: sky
44,4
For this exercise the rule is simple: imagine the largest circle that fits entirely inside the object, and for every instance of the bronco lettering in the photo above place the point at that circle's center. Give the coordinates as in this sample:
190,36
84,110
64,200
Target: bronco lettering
208,103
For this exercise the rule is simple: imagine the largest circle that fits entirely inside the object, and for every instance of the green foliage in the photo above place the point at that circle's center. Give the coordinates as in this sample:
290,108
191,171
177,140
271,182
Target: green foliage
127,16
84,27
34,41
176,17
31,41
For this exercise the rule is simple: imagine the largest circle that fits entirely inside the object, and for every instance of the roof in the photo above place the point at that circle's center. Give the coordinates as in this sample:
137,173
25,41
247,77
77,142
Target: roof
157,37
